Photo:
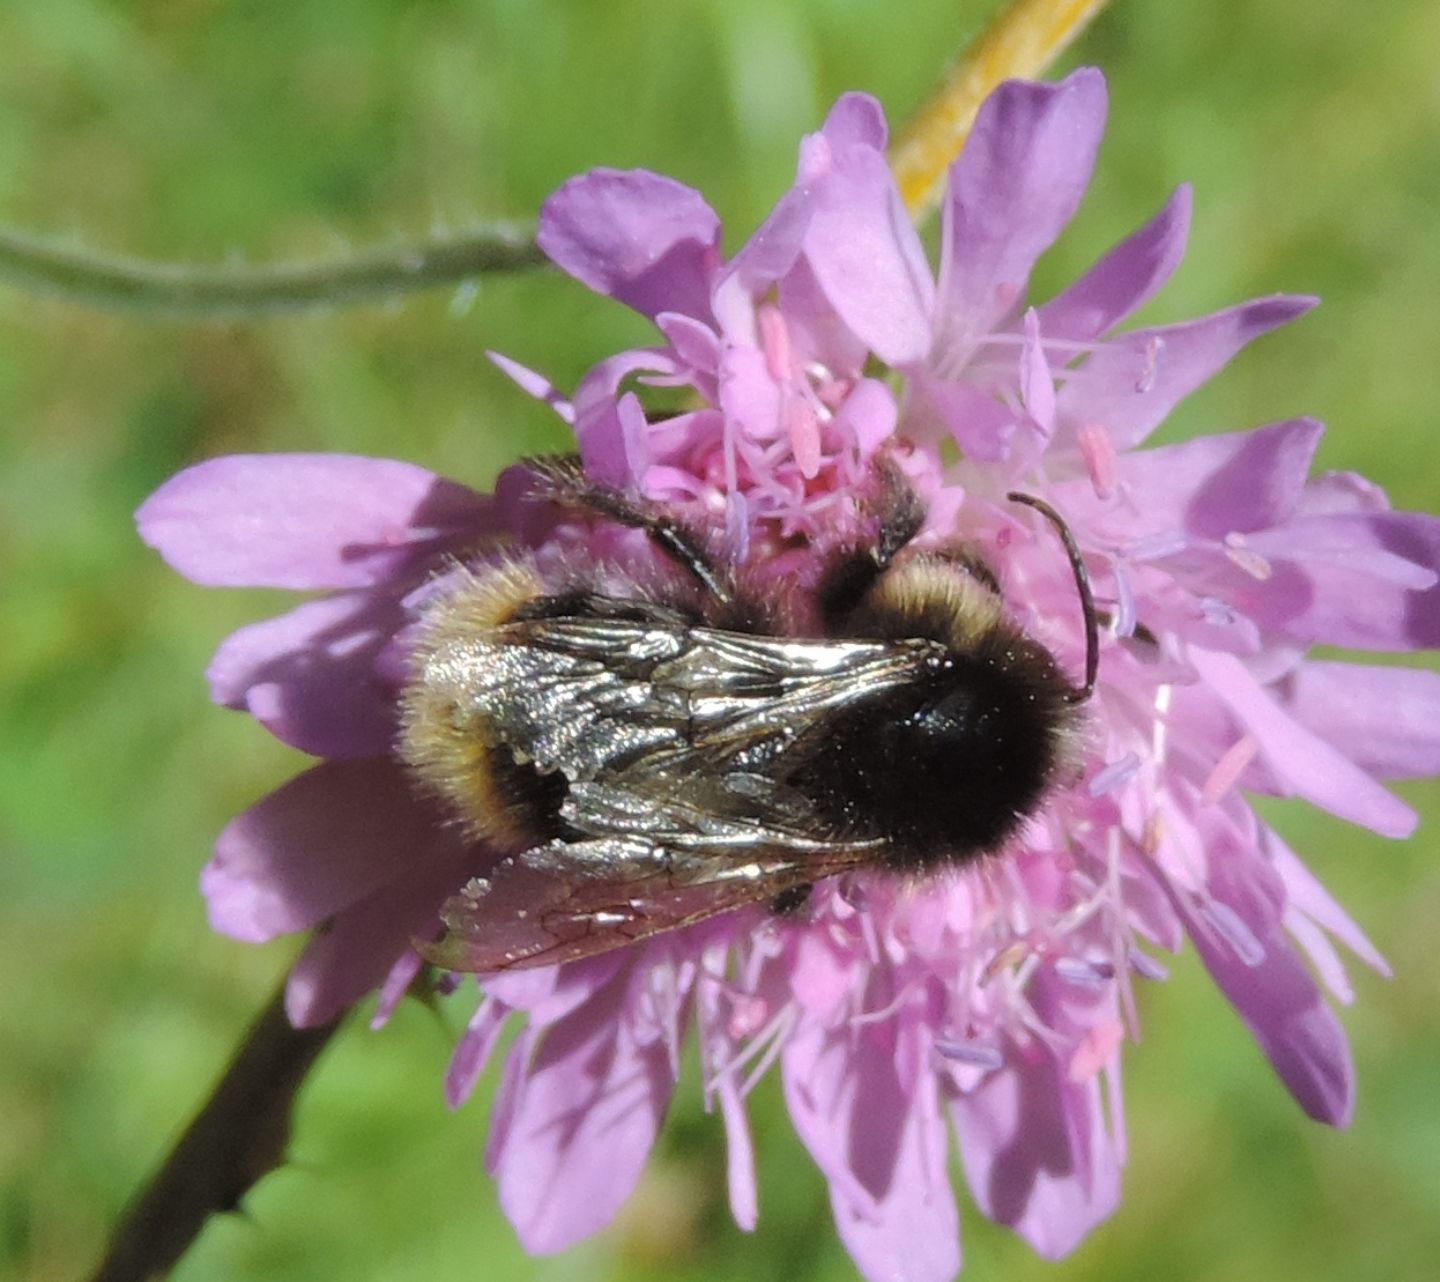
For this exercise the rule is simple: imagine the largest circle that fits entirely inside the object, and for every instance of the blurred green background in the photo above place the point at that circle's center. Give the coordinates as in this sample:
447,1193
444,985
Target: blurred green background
211,132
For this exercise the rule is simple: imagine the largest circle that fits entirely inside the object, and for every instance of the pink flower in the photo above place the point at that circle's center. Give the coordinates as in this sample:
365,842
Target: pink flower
990,1005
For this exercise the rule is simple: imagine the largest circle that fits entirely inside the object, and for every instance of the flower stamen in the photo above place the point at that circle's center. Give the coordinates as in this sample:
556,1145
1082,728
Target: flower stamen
1228,769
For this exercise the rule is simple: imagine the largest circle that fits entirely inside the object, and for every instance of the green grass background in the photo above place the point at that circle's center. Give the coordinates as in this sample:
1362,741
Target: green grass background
205,131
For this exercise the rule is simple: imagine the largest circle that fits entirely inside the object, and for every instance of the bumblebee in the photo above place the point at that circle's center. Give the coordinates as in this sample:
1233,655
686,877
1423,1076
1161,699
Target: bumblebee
646,758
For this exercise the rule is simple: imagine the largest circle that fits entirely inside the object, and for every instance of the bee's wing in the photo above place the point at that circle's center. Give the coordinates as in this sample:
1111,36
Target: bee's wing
628,698
567,900
652,859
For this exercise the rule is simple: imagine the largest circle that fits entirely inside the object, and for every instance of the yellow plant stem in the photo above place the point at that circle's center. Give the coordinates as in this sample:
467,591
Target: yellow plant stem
1023,39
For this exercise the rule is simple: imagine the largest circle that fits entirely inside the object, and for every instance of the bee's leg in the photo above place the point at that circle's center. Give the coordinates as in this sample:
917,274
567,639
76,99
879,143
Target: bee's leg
789,902
562,480
853,570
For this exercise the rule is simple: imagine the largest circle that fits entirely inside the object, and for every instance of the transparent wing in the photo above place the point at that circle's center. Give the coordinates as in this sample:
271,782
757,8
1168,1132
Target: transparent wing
568,900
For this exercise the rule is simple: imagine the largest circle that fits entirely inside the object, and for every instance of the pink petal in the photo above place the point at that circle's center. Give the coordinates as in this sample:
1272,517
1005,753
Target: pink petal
309,677
724,1017
1330,587
1367,581
533,384
611,430
1315,944
818,333
739,1156
695,345
1036,1153
583,1122
1383,719
548,994
983,428
866,1108
823,975
1343,494
306,520
1132,383
1305,893
868,259
772,255
355,952
1125,279
1305,762
1208,487
1037,383
1016,184
1274,995
868,416
473,1050
856,120
396,984
646,240
749,396
1243,481
764,259
311,849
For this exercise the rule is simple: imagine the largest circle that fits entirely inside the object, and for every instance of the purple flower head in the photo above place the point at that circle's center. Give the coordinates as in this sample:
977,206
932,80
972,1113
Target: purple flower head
990,1004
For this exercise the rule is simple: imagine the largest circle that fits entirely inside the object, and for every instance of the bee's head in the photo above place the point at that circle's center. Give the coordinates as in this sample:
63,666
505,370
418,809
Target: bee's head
988,733
950,763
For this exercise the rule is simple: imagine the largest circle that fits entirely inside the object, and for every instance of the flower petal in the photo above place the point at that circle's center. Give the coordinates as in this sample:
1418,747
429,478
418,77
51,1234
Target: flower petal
356,951
1124,279
1367,581
648,241
866,1107
473,1050
610,429
533,384
395,986
983,428
867,417
1240,482
770,255
1383,719
309,677
306,520
1305,893
764,259
856,120
1207,487
1036,1152
584,1120
749,396
739,1155
314,847
1133,382
819,335
1273,994
1312,768
1015,185
867,257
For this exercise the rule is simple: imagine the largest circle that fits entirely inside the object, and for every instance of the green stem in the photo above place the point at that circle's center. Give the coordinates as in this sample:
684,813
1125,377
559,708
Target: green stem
211,293
239,1135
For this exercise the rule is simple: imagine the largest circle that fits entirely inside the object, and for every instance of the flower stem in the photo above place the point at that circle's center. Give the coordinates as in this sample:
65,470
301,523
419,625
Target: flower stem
1023,39
239,1135
217,293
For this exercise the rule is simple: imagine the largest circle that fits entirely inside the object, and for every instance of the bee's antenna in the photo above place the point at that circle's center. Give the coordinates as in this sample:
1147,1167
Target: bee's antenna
1082,582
